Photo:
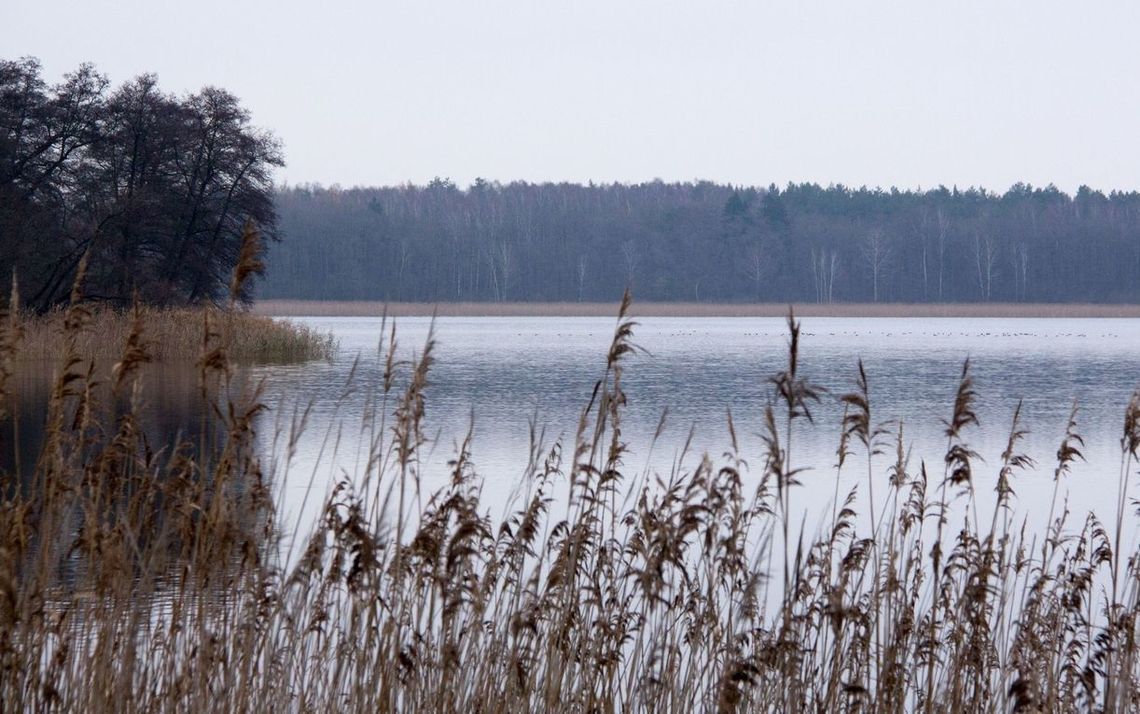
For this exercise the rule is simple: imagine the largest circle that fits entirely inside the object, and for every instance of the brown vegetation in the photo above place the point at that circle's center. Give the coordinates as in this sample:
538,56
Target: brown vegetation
136,578
174,335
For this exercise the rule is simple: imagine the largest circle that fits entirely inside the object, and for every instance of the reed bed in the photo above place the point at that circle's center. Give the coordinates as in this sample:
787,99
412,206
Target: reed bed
146,577
175,335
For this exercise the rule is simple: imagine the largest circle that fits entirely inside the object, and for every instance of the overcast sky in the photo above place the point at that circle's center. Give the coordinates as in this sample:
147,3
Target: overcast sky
890,94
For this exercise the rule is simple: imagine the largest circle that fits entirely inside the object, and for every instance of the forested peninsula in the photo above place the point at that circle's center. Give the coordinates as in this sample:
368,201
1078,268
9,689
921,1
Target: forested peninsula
150,191
131,196
704,242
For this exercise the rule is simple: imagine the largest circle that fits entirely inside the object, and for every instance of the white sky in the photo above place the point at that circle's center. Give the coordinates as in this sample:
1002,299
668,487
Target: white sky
879,93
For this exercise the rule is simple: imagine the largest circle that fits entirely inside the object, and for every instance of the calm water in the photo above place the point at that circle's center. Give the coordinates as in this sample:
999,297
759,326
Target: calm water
504,372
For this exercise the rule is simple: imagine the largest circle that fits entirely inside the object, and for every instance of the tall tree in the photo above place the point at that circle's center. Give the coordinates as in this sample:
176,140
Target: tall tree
156,190
877,254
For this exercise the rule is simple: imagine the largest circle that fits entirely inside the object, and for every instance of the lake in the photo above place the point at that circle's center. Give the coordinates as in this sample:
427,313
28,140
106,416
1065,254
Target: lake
696,577
503,373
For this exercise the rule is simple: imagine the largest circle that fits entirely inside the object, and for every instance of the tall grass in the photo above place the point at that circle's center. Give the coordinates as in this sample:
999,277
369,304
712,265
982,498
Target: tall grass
174,334
146,577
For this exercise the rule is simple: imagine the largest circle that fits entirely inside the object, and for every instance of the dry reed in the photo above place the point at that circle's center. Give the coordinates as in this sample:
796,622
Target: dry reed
174,335
136,578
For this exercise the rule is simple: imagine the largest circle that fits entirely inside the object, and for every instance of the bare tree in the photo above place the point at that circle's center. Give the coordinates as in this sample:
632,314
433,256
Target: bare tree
919,233
629,253
757,265
1019,260
454,229
501,260
943,230
985,260
877,253
581,276
402,254
824,267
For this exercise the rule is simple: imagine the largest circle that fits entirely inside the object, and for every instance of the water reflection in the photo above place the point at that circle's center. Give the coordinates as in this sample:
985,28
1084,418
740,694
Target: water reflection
130,470
171,411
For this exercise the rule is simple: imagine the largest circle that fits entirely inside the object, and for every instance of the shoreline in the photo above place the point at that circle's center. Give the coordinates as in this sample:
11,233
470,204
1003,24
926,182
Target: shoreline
345,308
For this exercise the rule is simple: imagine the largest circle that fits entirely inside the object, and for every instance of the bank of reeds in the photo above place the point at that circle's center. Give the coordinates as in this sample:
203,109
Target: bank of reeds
147,577
174,335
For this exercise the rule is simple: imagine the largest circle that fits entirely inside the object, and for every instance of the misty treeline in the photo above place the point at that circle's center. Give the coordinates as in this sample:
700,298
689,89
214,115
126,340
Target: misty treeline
155,188
704,242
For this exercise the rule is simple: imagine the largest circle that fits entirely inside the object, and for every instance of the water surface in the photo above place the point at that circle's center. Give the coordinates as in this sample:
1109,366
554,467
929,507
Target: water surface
502,373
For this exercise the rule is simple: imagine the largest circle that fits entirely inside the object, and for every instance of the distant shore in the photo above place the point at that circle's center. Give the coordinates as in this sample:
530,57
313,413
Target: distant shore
337,308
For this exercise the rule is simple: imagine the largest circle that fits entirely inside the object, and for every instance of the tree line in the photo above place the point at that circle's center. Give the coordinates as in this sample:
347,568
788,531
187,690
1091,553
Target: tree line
705,242
154,189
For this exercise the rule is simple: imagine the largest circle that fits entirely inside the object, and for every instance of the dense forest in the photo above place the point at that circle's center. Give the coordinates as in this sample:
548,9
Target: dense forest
154,189
704,242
